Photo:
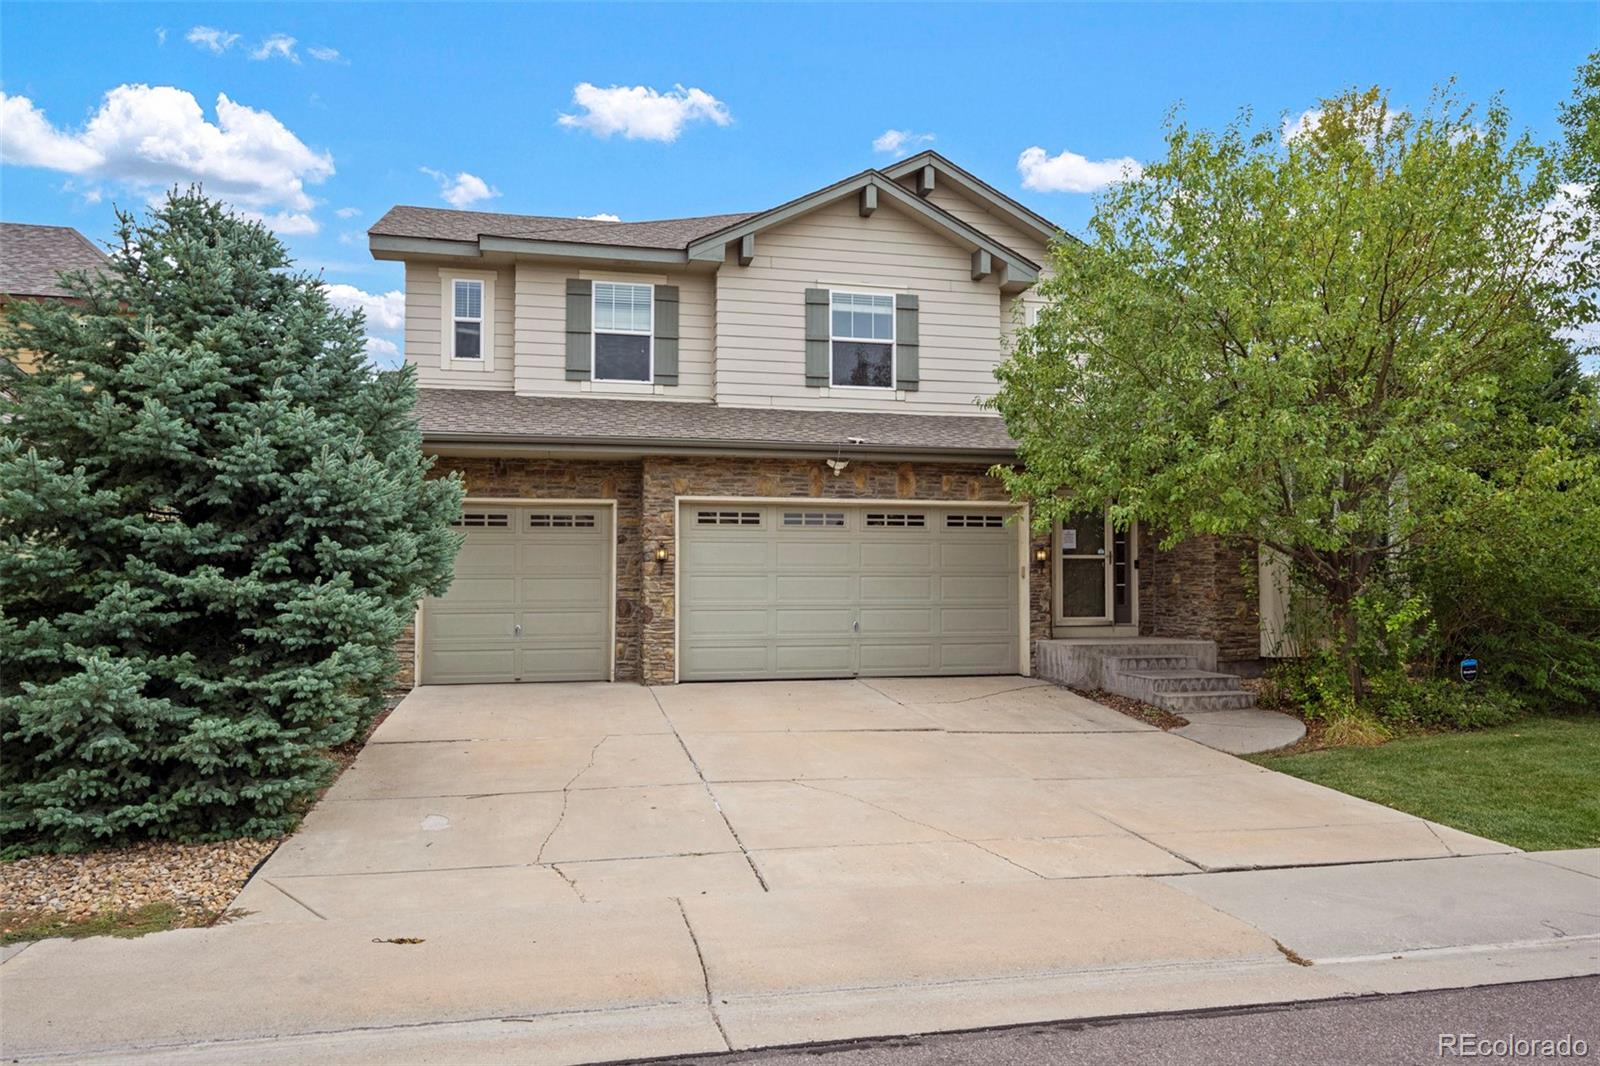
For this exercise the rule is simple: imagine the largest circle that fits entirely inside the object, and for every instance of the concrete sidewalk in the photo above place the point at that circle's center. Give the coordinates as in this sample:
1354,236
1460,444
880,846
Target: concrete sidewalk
590,982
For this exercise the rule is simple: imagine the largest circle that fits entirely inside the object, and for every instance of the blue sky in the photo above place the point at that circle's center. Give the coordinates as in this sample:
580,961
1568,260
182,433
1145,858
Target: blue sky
370,105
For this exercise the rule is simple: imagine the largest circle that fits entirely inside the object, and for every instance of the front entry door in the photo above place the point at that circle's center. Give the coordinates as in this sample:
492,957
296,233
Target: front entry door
1094,571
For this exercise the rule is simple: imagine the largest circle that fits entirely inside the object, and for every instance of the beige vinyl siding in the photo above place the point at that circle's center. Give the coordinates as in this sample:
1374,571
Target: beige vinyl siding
996,225
760,311
541,337
425,329
1007,232
1016,309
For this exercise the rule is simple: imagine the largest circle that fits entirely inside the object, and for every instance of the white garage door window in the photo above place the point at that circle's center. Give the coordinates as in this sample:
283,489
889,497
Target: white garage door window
823,589
531,598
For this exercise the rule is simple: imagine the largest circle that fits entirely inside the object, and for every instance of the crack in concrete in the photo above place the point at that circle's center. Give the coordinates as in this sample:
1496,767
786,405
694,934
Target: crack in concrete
867,684
953,837
712,795
298,901
705,974
570,882
566,799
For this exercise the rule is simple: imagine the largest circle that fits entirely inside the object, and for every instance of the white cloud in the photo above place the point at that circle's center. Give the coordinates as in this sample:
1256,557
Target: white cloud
463,189
385,311
283,223
899,142
378,348
161,36
640,113
602,217
28,140
348,212
353,237
1071,172
147,138
279,45
324,53
1301,124
1295,126
211,39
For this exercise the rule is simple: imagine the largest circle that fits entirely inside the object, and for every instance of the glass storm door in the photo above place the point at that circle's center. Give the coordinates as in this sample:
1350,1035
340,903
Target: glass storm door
1094,575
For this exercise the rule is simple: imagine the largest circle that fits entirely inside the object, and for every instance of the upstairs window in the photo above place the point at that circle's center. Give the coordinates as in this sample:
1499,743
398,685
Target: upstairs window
466,332
623,322
862,339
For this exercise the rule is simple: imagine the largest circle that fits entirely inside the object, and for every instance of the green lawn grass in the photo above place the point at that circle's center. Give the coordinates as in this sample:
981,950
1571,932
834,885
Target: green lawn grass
1534,785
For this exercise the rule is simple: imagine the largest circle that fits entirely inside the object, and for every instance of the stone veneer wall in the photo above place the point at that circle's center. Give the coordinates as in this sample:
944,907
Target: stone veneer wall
546,479
1201,588
645,491
666,478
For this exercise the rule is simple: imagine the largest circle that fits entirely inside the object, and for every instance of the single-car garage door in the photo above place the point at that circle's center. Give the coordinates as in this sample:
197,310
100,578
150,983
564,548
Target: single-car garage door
530,600
816,589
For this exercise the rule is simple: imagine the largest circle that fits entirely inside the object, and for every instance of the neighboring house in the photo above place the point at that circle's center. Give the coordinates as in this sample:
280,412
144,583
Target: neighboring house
32,260
747,446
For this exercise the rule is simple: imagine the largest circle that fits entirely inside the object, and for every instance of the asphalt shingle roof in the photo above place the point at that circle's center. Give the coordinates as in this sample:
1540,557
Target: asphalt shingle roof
32,257
505,417
446,225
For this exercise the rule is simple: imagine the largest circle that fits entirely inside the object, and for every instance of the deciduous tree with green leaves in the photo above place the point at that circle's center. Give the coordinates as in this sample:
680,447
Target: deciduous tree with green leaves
1335,338
214,524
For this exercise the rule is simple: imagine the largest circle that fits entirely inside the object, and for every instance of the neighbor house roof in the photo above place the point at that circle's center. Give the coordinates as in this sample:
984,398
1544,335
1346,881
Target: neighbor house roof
468,415
32,258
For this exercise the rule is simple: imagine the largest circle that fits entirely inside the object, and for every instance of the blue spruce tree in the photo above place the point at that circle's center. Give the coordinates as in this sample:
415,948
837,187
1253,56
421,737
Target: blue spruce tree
214,525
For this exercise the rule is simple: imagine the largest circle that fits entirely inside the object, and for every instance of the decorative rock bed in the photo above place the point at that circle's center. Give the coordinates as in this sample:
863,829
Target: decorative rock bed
198,879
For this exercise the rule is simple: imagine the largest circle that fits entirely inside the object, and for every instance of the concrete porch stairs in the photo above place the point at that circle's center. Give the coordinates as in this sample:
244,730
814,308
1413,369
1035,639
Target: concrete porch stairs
1180,676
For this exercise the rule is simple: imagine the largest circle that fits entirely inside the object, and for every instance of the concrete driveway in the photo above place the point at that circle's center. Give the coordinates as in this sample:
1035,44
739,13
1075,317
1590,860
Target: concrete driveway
490,795
628,872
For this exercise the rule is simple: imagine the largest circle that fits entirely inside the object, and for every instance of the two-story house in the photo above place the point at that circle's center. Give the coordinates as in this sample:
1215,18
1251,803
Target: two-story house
749,446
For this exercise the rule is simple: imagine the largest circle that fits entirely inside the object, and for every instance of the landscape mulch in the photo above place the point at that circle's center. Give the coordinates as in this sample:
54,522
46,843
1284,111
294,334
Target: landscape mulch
1148,713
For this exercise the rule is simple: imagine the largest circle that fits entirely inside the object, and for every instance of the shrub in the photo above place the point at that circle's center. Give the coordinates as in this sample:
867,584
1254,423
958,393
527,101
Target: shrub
213,527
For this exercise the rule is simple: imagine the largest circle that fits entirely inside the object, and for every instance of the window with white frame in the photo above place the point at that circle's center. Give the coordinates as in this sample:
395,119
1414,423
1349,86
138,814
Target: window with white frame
862,335
466,319
623,322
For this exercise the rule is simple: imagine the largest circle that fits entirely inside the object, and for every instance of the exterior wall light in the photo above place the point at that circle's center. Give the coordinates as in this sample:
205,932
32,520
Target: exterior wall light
661,553
1041,555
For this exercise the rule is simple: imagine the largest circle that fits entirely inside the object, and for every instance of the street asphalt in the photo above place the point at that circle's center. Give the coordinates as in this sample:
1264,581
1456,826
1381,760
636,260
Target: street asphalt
1399,1029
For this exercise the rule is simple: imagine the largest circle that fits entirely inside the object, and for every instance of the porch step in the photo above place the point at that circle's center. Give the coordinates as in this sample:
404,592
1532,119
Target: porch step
1187,703
1180,675
1138,664
1156,682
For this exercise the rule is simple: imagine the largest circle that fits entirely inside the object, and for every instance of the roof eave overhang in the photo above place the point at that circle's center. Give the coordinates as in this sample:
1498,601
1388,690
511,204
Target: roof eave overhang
503,444
1019,269
386,246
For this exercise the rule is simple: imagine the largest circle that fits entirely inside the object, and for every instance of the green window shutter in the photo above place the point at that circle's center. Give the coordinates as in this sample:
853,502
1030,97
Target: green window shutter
666,344
817,337
580,329
906,372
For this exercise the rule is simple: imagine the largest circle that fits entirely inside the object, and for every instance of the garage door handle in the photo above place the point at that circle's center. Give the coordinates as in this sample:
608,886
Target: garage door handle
855,627
516,630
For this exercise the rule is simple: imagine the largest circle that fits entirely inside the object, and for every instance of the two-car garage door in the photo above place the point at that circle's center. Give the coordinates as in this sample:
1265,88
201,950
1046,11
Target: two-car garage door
820,589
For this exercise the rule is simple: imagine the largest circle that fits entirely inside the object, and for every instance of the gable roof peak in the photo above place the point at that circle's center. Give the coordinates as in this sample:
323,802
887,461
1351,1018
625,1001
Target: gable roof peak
975,188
